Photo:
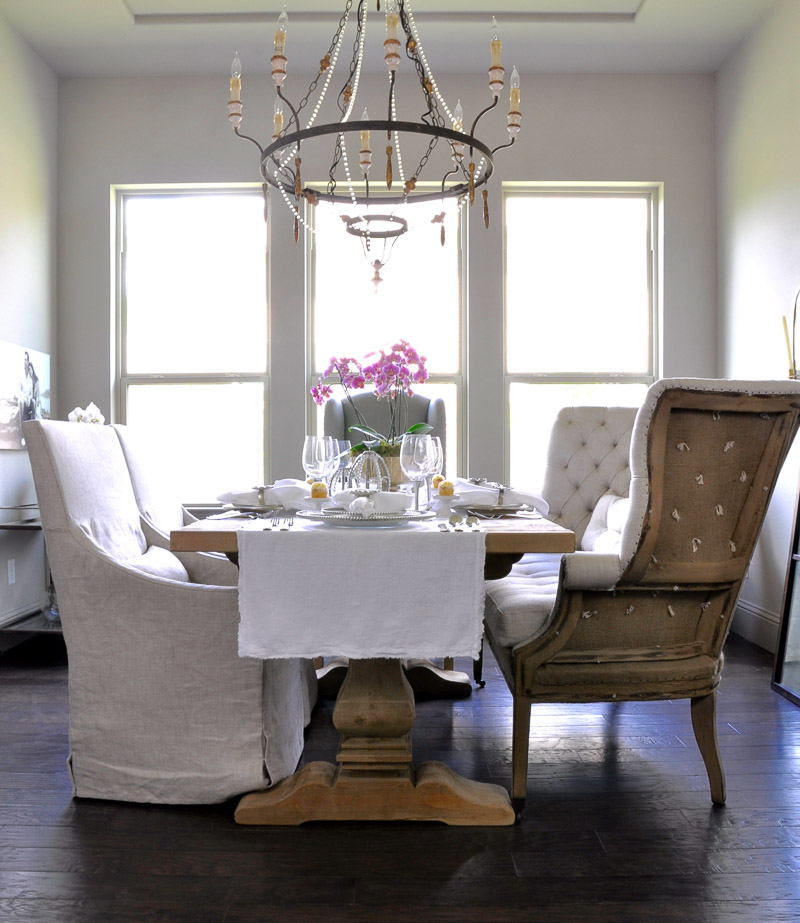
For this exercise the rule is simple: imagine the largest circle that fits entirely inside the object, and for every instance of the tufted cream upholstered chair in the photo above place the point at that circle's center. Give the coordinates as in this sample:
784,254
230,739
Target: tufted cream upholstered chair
587,459
650,621
162,708
588,455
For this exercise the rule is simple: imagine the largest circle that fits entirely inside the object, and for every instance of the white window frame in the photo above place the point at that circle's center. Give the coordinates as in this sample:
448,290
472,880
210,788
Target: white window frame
459,430
123,379
653,193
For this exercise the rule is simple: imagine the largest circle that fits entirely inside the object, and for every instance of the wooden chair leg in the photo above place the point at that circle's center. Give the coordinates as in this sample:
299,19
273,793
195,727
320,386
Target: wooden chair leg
704,723
477,669
448,663
519,753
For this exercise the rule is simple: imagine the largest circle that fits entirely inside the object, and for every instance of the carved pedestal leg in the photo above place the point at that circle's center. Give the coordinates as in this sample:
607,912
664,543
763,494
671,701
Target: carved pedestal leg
375,779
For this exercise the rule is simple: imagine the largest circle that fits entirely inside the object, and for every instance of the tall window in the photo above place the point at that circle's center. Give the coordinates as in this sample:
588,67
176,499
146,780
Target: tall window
193,334
580,308
419,301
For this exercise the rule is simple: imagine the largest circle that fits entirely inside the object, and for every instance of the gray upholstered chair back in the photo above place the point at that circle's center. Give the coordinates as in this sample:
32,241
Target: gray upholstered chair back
588,455
153,498
340,416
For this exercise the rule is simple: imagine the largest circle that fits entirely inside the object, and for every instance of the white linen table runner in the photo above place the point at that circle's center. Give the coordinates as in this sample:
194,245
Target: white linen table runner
323,591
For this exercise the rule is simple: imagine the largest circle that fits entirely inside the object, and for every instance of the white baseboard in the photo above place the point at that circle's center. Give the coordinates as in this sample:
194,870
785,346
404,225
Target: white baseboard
758,625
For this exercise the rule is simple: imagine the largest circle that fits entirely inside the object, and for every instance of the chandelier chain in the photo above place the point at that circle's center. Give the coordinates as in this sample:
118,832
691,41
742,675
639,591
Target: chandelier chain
346,94
332,55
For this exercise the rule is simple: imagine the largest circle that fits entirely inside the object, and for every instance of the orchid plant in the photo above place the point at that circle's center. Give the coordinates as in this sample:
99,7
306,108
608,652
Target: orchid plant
392,375
90,415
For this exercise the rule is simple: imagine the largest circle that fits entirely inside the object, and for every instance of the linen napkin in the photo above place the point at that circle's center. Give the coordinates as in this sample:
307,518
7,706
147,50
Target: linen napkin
289,493
481,494
378,501
418,592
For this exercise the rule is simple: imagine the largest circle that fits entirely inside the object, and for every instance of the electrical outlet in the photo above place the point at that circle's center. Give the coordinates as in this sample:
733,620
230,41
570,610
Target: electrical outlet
12,571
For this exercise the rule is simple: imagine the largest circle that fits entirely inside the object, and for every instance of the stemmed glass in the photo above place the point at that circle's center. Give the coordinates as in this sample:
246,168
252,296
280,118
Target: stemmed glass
416,460
320,456
436,466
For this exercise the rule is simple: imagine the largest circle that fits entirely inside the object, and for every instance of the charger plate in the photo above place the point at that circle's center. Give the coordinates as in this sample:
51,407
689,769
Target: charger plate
376,521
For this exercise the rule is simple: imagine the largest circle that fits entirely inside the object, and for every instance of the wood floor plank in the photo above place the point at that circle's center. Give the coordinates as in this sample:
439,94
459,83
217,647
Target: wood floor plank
618,824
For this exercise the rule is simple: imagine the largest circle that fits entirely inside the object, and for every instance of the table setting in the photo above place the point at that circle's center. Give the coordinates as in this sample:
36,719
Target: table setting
383,598
353,562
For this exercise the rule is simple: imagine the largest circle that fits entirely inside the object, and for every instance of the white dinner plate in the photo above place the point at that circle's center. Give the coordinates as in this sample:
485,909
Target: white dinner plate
376,521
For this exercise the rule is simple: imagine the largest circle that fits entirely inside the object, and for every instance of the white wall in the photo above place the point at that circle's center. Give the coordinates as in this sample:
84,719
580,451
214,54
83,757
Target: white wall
28,117
576,128
758,155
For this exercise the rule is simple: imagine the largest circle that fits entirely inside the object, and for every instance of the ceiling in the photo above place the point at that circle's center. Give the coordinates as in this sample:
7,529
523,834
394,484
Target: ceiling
189,37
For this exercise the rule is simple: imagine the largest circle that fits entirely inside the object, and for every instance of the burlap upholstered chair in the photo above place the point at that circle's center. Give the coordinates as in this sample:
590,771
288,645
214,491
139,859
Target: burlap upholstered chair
162,708
650,621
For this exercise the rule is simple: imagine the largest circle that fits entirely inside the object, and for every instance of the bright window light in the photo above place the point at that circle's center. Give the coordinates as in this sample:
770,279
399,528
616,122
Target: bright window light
193,335
580,309
532,413
418,301
210,437
577,293
195,284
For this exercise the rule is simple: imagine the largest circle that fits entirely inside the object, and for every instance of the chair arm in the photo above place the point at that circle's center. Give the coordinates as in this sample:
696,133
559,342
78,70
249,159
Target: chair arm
588,570
210,568
581,570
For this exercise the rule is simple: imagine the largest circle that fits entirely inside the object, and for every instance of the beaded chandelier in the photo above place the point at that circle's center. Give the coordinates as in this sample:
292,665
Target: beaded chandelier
408,146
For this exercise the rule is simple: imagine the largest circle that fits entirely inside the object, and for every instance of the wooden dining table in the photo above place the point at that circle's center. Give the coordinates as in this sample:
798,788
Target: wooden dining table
373,778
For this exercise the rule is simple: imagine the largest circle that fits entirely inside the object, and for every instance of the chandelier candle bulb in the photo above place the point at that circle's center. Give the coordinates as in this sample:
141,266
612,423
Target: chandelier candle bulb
235,102
277,119
279,57
280,32
236,79
391,46
458,125
366,152
496,69
514,113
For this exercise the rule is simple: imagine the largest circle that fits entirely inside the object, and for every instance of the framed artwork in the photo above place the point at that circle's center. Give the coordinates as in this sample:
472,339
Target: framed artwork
24,391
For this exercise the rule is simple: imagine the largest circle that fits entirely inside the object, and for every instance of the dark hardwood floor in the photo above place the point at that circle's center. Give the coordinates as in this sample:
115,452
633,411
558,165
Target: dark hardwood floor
618,826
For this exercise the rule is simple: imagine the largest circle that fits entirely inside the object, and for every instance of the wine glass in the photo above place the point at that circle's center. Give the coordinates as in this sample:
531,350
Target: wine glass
416,459
320,456
437,464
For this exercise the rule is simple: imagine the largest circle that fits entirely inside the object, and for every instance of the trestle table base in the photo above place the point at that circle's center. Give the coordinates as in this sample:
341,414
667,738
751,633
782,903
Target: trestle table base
375,780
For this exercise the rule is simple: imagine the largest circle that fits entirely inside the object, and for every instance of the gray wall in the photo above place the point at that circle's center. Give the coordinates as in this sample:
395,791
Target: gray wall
758,178
28,119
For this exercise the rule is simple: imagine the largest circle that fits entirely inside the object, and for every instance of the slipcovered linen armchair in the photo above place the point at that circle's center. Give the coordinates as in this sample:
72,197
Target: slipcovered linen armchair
649,621
162,708
161,513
